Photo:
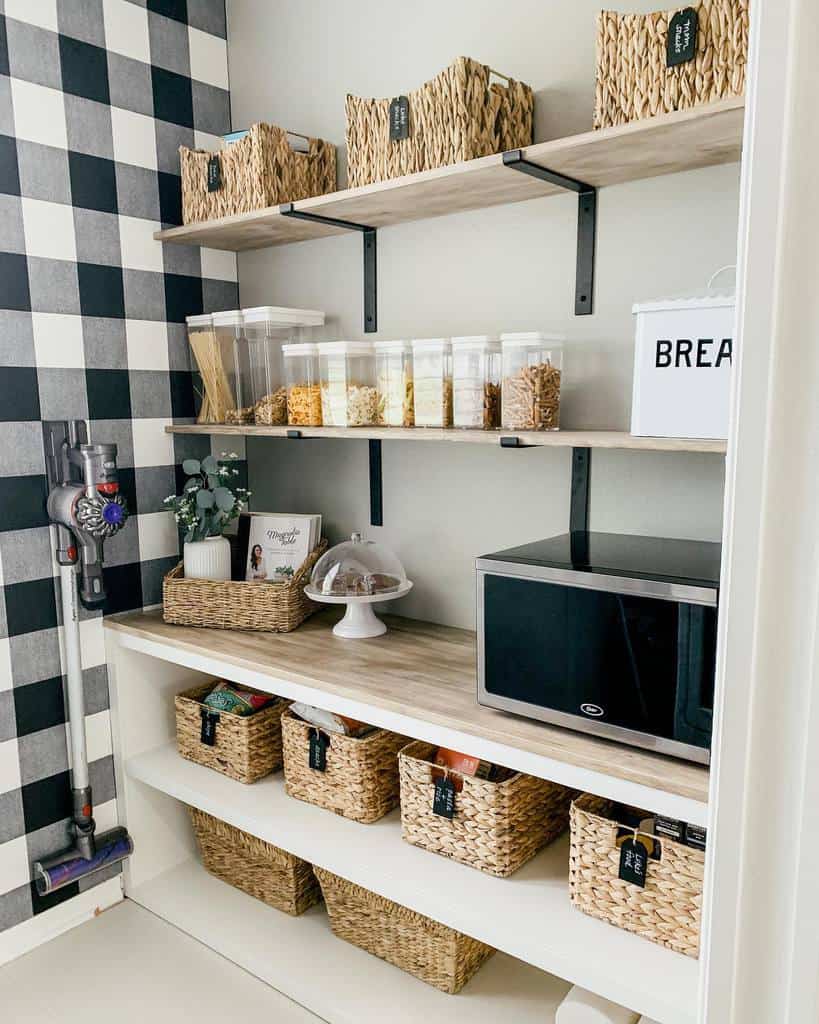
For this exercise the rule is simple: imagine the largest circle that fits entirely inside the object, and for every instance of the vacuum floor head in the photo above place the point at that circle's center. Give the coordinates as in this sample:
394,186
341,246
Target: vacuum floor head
70,866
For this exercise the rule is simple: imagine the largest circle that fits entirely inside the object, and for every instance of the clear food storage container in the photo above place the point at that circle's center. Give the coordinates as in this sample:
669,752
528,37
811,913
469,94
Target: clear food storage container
393,379
476,376
301,374
234,384
432,382
205,349
532,368
266,329
348,394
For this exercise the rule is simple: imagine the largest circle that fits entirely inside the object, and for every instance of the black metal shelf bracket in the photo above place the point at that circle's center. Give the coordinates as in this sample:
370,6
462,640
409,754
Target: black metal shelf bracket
370,257
376,485
579,505
586,224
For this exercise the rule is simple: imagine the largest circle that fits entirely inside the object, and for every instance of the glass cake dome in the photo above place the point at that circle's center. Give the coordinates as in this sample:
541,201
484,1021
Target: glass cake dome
358,573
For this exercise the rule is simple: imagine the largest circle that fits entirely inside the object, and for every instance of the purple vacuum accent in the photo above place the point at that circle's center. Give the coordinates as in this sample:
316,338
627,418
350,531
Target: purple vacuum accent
68,871
113,513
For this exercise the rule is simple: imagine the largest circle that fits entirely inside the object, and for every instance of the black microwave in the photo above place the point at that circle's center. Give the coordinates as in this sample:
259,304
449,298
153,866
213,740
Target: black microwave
608,634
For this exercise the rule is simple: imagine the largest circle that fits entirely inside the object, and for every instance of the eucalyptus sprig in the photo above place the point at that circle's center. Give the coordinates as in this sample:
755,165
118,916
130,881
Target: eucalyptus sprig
207,504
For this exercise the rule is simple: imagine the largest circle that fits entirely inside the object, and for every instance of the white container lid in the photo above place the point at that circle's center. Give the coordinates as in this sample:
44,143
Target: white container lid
431,344
228,318
203,320
282,316
300,348
714,300
392,346
476,342
345,348
526,339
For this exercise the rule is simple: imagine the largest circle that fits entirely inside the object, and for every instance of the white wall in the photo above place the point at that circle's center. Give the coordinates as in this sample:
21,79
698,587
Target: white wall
506,268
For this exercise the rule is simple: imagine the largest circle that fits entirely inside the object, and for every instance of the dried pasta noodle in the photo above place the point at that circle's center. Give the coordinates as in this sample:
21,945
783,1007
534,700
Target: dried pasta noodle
272,409
218,396
531,398
304,405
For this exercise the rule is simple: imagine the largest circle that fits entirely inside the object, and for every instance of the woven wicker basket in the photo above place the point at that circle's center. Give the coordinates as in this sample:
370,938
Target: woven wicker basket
232,604
259,170
458,115
667,911
361,776
258,868
245,747
497,827
633,81
436,954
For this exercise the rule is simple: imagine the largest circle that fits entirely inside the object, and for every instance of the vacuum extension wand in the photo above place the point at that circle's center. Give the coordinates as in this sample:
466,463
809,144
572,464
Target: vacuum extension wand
85,505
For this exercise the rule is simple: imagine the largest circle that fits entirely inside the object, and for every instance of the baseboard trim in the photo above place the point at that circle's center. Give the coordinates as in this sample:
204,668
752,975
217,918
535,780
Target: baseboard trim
24,937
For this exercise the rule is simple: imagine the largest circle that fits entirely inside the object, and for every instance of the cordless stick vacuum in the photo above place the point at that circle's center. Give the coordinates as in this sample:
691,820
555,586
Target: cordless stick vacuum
85,505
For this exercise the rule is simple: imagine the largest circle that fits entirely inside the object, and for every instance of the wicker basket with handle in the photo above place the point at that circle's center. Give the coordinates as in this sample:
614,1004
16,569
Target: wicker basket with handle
244,747
458,115
667,911
436,954
497,826
260,869
257,171
232,604
360,776
633,80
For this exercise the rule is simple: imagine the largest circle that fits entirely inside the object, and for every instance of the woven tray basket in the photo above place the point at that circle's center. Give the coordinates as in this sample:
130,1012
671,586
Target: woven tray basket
245,747
438,955
361,776
258,868
259,170
458,115
497,827
667,911
232,604
633,81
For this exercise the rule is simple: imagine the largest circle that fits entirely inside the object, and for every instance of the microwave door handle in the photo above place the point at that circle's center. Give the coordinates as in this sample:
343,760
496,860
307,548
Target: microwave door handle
632,660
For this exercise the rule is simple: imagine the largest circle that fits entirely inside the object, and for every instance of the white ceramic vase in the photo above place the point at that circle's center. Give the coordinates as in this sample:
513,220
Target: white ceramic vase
207,559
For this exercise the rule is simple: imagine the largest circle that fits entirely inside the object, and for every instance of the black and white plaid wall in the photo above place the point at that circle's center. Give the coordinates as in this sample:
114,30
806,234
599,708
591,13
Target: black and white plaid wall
95,98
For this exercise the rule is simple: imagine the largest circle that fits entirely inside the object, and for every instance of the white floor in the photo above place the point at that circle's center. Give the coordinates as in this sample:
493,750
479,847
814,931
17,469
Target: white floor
129,967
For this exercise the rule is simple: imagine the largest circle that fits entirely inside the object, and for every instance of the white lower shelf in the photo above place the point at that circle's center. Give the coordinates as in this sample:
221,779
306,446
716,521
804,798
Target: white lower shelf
301,957
528,916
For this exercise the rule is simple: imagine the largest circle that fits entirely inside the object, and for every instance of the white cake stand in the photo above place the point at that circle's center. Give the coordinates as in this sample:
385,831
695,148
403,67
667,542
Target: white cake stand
360,621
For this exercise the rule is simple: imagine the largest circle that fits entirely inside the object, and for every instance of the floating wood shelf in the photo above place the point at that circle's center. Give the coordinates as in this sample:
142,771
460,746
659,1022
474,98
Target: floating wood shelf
542,439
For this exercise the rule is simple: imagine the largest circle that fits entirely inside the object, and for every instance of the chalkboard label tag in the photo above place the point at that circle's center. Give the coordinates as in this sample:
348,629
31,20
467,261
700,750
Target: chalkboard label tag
633,862
682,38
399,119
318,750
214,174
209,720
443,803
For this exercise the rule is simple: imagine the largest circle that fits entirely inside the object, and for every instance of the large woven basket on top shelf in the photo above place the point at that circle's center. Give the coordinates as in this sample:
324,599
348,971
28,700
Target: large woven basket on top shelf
244,747
256,867
497,826
259,170
232,604
667,911
436,954
458,115
360,780
633,80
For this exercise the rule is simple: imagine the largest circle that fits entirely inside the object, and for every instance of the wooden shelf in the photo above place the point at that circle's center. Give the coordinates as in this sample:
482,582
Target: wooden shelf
667,144
419,680
542,439
528,916
301,957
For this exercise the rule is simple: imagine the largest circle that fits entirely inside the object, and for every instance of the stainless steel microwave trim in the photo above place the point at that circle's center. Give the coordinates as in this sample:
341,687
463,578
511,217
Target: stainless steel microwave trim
633,737
600,581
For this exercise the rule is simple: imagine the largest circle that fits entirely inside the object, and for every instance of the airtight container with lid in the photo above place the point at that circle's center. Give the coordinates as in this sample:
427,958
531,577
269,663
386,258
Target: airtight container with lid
203,345
266,329
532,369
348,394
476,373
301,375
432,382
394,382
230,372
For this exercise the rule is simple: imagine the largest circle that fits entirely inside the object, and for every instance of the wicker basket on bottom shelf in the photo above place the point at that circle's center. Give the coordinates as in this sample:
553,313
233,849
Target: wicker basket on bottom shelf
667,911
260,869
436,954
497,826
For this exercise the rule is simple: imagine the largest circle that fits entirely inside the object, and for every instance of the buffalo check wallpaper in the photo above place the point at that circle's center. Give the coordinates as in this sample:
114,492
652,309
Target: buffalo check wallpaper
96,96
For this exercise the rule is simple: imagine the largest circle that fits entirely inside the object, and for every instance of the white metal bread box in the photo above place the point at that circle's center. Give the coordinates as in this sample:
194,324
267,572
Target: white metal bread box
682,367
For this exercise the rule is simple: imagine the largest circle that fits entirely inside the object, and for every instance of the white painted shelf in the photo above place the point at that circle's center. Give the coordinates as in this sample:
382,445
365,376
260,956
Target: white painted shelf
528,916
